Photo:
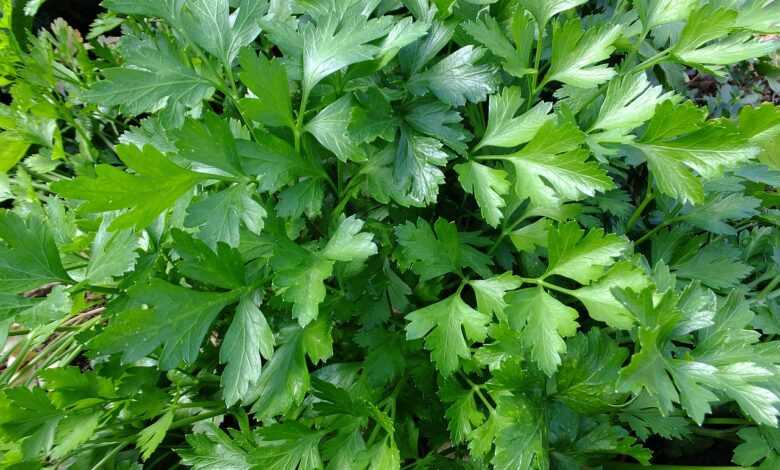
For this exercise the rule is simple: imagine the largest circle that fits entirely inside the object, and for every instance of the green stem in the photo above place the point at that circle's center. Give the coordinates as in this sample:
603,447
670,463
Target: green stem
635,48
9,373
546,285
655,229
537,64
299,120
194,419
768,288
112,453
649,196
506,231
660,57
732,421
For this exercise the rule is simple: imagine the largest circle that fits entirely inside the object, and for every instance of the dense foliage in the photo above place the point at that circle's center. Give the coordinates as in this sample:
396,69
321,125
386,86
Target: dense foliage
347,234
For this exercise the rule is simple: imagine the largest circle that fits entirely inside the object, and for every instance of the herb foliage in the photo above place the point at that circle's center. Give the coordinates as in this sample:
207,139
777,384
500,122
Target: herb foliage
347,234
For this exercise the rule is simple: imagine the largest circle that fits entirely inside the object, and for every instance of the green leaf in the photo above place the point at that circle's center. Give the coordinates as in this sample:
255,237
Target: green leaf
456,78
576,54
209,142
518,436
210,24
284,380
630,102
660,12
543,322
150,437
550,170
330,127
218,215
462,415
159,313
335,43
267,80
717,265
443,325
213,451
488,185
438,120
288,446
544,10
348,243
505,130
416,169
729,51
602,305
302,283
489,33
714,214
154,76
579,256
222,267
55,307
490,292
29,257
759,444
438,251
675,153
305,197
275,162
112,253
247,341
761,125
153,189
586,377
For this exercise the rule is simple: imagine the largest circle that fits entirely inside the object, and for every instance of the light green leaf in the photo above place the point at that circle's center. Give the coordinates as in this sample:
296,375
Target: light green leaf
576,54
489,33
630,102
335,43
155,76
222,267
112,253
602,305
247,341
151,436
330,127
550,170
544,10
218,215
488,185
579,256
443,325
543,322
456,78
348,243
675,152
660,12
210,144
416,169
506,130
490,292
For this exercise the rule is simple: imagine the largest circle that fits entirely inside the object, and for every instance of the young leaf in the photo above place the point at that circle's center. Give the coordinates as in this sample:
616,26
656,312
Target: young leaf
443,325
488,185
505,130
576,55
